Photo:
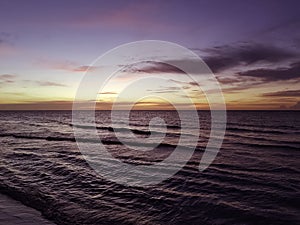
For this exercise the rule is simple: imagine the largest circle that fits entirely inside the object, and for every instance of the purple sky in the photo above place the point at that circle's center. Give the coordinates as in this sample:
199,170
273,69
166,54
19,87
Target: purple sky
251,46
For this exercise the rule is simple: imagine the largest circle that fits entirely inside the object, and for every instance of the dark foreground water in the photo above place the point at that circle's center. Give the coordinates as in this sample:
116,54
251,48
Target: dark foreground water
255,178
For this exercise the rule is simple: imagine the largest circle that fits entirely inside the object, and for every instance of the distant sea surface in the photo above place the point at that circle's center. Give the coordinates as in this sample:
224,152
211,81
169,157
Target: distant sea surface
255,178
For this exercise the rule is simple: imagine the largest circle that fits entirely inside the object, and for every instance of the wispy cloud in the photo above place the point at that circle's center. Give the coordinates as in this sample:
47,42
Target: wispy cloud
6,79
288,93
49,84
225,57
63,65
44,83
221,58
162,90
282,73
82,68
152,67
108,93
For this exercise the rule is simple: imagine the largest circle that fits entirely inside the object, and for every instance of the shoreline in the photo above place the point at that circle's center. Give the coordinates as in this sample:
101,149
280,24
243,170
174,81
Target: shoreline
13,212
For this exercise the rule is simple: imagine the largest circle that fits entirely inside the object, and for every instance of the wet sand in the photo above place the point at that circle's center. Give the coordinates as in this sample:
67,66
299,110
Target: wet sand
15,213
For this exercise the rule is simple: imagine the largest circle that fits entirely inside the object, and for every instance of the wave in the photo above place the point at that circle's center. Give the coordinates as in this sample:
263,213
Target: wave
266,139
167,126
112,129
146,125
260,145
283,127
58,210
207,195
248,183
122,129
106,141
259,130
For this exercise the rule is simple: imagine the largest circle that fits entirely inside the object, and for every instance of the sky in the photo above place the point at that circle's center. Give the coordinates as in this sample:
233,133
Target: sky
252,47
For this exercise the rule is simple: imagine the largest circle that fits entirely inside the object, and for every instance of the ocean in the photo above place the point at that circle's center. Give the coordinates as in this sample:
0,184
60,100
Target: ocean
255,178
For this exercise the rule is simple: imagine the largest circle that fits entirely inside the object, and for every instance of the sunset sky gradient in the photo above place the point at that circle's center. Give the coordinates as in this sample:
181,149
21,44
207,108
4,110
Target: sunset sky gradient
253,48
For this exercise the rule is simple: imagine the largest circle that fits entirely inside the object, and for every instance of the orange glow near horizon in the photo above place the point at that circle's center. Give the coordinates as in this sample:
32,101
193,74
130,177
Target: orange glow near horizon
179,90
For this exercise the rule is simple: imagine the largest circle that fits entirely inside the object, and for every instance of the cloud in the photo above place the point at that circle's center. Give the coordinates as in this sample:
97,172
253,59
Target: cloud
221,58
13,93
45,83
108,93
190,83
225,57
289,93
49,84
153,67
163,90
7,78
228,80
181,85
82,68
296,106
285,73
238,87
63,65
